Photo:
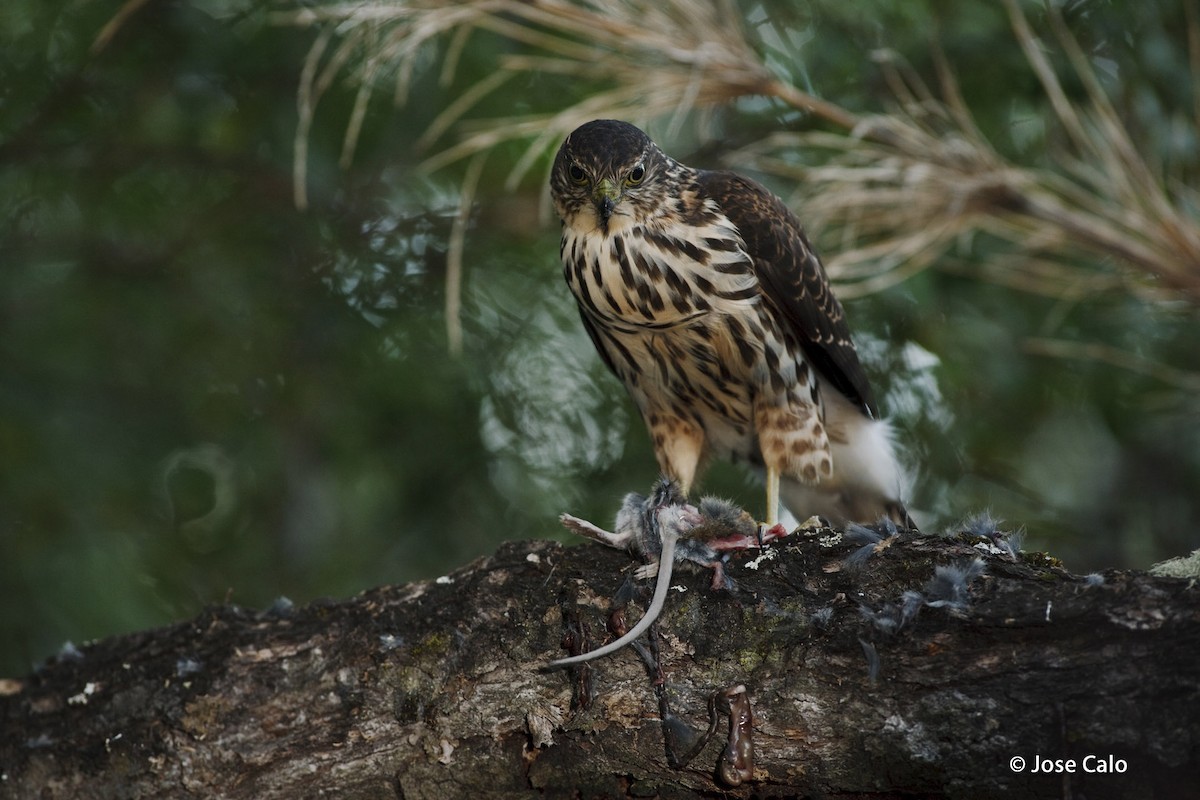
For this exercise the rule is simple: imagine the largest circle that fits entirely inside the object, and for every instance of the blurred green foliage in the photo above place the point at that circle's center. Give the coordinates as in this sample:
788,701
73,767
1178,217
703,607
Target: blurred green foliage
208,395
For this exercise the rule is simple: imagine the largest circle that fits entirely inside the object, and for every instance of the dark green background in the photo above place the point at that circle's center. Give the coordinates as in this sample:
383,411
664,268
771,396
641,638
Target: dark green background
207,395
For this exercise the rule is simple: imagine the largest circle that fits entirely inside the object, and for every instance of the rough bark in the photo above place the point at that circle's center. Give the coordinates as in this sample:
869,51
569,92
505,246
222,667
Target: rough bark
432,690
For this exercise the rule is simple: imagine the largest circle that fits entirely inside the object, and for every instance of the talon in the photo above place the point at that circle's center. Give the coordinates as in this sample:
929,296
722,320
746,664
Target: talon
776,531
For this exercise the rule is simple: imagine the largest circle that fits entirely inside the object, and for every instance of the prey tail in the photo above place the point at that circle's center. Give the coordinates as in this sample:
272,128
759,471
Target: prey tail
661,587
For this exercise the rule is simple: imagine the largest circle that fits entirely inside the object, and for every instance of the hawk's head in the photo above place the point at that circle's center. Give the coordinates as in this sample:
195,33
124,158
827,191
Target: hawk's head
607,175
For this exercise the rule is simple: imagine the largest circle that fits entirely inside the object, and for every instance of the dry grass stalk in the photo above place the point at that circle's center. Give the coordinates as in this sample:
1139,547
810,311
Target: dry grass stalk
901,191
1182,380
910,188
660,58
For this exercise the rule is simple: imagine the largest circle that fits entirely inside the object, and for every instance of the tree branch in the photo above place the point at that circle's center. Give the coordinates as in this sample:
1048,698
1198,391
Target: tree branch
434,690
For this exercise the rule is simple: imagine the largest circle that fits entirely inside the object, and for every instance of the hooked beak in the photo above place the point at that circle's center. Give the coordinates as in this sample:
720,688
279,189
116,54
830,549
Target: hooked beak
605,197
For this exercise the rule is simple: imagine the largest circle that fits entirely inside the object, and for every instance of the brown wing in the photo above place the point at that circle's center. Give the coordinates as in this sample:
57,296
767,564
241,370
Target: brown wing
793,280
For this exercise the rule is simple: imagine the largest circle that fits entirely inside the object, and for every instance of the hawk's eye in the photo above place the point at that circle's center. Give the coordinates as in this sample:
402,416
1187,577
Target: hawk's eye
635,175
577,174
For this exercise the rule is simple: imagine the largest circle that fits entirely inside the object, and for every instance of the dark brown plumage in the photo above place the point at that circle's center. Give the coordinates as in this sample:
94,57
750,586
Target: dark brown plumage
702,293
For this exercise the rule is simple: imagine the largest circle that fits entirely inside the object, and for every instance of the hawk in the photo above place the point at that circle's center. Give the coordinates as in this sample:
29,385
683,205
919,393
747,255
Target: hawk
702,294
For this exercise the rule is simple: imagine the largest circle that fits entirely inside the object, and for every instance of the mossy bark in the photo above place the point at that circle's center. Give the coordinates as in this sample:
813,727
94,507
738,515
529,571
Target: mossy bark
433,690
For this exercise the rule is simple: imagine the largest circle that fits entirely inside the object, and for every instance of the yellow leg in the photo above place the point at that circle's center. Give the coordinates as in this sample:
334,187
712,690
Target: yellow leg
679,447
772,496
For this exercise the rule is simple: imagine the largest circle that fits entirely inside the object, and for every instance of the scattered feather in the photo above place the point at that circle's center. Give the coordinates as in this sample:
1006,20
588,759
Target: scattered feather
950,585
891,618
859,557
870,541
910,606
861,534
983,525
886,620
888,527
187,666
822,617
1010,543
998,542
872,656
281,607
69,652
